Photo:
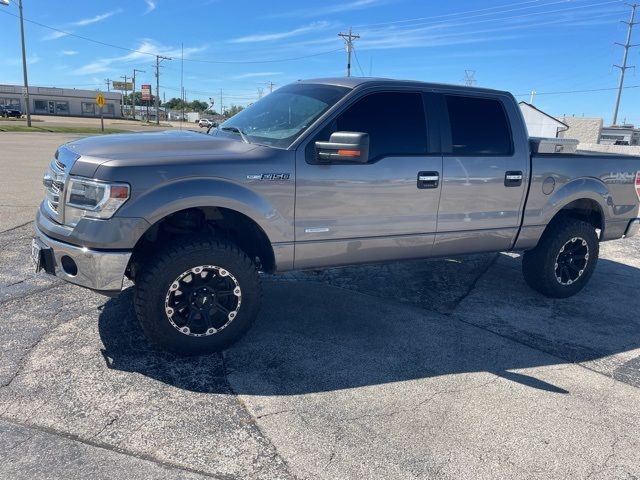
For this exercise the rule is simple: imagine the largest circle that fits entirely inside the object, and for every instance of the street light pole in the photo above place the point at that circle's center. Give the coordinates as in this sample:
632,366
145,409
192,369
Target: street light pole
24,67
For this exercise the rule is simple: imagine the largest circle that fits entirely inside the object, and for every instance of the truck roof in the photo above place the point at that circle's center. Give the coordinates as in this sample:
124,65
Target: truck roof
353,82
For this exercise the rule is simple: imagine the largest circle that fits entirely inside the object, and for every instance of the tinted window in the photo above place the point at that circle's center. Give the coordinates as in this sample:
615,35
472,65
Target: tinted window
479,126
395,123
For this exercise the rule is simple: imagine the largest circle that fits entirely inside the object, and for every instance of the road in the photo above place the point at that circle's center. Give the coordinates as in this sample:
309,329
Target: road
447,368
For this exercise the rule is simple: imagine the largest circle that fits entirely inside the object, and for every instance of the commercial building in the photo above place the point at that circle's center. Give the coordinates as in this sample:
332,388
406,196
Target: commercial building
62,101
620,135
583,129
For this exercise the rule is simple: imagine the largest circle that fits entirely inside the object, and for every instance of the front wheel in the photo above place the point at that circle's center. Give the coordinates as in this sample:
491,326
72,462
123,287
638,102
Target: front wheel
564,260
197,297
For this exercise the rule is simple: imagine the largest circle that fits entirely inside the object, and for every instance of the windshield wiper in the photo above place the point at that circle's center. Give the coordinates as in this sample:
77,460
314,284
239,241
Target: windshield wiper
243,135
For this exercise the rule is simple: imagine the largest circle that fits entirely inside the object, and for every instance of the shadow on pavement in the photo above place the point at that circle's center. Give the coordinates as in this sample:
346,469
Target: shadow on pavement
315,338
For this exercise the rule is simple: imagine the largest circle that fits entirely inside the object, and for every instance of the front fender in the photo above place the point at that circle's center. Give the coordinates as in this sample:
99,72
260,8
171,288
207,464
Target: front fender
180,194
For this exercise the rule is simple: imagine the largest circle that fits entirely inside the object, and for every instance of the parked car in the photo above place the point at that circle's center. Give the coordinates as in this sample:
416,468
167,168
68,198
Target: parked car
322,173
7,111
205,122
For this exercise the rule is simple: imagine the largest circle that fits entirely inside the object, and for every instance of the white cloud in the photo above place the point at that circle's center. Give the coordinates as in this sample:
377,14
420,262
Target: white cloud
318,11
257,74
151,6
264,37
98,18
55,35
146,50
16,62
69,53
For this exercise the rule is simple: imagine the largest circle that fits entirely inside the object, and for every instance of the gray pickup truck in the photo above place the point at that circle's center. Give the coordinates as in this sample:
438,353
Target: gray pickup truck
322,173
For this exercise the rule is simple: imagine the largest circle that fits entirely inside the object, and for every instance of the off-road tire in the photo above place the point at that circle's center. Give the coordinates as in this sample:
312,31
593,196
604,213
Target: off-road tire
157,275
539,265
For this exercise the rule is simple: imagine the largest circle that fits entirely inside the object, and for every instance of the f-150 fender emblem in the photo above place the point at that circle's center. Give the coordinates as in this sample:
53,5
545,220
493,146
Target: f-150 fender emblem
269,176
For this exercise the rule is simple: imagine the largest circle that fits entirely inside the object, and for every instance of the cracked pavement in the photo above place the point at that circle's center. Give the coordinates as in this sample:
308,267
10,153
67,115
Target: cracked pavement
446,368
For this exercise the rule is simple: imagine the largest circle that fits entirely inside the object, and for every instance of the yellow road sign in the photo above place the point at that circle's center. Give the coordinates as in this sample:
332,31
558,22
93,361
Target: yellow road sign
100,100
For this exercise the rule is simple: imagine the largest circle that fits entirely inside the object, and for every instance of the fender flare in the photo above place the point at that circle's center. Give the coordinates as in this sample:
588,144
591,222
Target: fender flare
579,189
181,194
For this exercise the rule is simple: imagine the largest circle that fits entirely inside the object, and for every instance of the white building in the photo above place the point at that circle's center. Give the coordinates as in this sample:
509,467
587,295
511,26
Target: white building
541,124
62,101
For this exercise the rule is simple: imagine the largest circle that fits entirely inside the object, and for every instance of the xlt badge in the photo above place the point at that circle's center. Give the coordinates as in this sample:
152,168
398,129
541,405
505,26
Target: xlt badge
269,176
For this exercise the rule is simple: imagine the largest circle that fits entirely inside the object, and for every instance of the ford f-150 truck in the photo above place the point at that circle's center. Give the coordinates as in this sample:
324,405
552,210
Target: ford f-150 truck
322,173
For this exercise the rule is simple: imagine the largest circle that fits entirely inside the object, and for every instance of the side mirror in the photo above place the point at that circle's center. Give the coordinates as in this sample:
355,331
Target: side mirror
352,147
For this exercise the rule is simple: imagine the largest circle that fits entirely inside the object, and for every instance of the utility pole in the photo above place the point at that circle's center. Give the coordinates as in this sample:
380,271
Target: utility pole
260,92
271,85
349,38
108,82
133,92
158,59
532,97
124,101
25,93
470,78
221,107
623,68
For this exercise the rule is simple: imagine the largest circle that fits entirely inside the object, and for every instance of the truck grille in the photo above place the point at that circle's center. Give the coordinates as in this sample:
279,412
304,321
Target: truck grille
53,182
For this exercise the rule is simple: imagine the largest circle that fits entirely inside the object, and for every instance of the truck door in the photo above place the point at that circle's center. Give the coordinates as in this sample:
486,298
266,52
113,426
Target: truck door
484,173
380,210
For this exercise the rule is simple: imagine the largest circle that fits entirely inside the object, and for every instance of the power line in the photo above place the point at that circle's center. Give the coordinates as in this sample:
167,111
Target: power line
133,50
358,62
608,89
248,62
511,17
455,14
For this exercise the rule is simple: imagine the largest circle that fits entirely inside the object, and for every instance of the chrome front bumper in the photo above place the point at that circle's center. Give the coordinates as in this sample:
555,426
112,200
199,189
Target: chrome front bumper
98,270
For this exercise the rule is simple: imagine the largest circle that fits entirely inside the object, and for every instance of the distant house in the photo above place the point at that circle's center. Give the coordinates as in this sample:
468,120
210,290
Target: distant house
541,124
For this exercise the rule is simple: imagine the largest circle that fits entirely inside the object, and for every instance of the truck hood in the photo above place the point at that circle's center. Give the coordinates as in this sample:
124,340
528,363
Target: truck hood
154,148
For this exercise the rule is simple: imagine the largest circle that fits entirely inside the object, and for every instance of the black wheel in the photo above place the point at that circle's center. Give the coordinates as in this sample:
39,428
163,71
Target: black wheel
197,297
564,260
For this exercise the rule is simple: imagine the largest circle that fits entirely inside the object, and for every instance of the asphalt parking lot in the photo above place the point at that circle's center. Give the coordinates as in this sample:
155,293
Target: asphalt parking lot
446,368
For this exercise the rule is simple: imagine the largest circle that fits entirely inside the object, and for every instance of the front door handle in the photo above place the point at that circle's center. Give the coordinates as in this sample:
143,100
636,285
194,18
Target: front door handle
513,178
428,180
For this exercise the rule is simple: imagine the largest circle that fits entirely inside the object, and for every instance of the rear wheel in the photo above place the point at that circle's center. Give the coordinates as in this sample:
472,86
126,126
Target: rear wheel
564,260
197,297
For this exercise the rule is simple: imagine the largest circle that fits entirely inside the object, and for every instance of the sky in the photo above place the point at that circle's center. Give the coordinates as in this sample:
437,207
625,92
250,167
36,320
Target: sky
549,46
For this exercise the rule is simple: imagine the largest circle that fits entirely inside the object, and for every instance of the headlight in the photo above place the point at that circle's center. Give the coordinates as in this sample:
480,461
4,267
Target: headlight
93,199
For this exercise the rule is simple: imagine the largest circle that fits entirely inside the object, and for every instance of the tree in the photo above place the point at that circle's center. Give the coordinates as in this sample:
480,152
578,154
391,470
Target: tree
138,99
179,104
233,109
199,106
174,104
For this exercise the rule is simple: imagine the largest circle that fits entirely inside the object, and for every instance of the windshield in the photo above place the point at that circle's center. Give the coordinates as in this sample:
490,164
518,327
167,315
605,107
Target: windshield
277,119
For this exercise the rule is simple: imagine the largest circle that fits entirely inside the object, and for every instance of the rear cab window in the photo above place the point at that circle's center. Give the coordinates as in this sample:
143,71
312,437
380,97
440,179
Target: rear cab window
479,126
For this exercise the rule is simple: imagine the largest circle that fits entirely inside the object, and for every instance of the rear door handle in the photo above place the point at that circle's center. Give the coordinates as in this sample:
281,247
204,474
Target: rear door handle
428,180
513,178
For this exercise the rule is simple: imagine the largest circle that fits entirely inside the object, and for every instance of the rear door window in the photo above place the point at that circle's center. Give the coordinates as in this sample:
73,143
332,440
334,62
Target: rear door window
479,126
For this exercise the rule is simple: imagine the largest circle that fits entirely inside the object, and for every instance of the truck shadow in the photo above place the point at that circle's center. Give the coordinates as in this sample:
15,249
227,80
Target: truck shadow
312,337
